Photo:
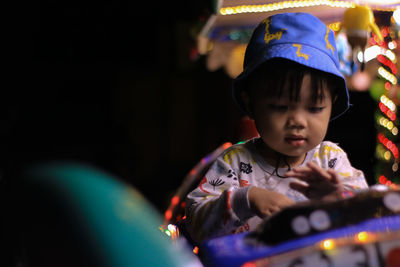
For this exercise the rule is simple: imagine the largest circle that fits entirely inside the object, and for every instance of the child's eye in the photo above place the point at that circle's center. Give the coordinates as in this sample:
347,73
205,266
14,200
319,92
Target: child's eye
316,109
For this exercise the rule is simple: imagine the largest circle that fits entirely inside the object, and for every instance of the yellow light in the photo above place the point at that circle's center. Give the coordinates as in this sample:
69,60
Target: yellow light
385,122
390,55
362,237
328,244
283,5
389,103
395,131
387,155
390,125
387,75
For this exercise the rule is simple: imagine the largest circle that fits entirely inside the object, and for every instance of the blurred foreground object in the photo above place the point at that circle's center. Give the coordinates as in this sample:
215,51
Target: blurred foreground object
69,214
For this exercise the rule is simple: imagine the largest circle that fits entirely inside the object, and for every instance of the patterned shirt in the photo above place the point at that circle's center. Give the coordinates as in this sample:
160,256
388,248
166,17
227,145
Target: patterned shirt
219,205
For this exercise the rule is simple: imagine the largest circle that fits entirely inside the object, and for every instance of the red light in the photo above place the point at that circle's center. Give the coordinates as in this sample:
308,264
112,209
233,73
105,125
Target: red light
226,145
168,215
175,200
385,61
389,145
391,115
382,179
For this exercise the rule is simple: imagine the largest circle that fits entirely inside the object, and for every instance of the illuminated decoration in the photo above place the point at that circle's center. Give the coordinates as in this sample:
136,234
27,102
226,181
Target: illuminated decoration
387,75
389,103
391,115
232,10
328,244
384,91
255,8
385,61
385,181
382,153
362,237
388,124
389,145
374,51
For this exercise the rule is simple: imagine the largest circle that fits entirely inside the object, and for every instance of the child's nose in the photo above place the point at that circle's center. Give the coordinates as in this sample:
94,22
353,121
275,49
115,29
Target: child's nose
296,119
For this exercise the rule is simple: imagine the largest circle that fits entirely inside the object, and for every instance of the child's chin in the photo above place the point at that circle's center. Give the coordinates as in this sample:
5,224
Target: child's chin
294,155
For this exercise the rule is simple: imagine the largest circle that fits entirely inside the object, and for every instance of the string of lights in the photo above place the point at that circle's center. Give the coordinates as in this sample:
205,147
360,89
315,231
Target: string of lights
239,9
387,151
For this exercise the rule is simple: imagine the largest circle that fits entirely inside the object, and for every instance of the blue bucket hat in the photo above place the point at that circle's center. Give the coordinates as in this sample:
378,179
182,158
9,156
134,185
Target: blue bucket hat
299,37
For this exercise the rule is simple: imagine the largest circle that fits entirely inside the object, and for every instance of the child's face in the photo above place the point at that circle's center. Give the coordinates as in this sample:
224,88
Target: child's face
292,127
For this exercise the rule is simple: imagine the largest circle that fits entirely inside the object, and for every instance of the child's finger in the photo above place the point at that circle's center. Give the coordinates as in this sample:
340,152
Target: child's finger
311,169
334,176
318,170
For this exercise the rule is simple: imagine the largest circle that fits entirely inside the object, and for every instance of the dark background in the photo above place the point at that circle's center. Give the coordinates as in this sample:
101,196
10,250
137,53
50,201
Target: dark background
119,85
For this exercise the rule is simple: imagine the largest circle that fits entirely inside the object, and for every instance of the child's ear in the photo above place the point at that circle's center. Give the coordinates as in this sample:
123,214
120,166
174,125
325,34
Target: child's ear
246,101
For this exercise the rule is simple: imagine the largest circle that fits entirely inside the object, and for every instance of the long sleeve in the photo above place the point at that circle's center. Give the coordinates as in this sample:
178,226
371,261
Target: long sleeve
330,155
219,205
352,178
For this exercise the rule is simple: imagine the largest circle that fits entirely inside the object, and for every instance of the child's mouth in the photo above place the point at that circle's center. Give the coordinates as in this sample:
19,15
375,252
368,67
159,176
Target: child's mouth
295,141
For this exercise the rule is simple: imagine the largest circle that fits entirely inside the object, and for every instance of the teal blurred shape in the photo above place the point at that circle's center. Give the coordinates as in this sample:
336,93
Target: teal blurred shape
76,214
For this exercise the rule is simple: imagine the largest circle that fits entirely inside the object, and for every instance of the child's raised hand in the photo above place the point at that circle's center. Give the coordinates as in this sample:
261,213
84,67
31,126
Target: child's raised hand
322,184
265,202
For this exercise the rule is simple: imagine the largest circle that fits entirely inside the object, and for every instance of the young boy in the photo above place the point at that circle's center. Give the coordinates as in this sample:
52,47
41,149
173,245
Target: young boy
292,87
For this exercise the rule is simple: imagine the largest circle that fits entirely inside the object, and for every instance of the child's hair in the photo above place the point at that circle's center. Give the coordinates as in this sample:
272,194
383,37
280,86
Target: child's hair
278,75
